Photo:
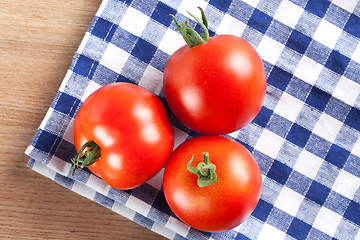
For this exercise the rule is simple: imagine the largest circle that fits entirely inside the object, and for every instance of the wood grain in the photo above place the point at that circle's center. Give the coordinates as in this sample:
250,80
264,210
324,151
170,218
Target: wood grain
38,40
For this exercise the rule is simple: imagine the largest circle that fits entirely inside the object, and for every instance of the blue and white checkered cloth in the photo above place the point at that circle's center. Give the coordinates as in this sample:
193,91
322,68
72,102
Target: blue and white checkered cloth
306,137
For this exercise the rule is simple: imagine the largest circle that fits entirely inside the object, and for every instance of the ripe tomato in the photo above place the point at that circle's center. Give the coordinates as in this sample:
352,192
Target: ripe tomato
127,130
217,86
225,202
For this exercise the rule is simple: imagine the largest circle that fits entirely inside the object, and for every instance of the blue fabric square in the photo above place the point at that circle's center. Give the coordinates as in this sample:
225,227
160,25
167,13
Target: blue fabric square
279,172
337,109
298,88
279,78
143,221
241,237
337,203
352,212
124,40
143,50
279,125
352,25
318,145
337,62
298,135
222,5
161,204
47,142
317,7
279,219
64,181
353,119
240,10
318,52
104,29
85,66
263,117
318,98
337,155
279,31
293,182
259,21
318,193
66,104
162,14
262,210
103,200
299,229
298,41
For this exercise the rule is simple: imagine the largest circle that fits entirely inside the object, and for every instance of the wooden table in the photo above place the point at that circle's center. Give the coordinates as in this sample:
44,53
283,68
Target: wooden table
37,42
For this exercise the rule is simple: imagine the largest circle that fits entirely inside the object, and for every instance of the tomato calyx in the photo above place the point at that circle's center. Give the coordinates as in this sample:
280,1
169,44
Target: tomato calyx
90,156
191,37
204,170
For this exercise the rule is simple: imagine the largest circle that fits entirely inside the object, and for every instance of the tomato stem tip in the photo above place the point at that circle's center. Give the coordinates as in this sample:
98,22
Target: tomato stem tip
205,171
191,37
90,156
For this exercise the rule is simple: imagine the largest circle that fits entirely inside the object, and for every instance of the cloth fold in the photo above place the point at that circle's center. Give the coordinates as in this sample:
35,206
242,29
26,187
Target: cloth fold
306,138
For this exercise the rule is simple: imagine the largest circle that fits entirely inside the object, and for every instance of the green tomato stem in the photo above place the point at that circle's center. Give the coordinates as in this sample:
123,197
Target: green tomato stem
191,37
205,171
90,156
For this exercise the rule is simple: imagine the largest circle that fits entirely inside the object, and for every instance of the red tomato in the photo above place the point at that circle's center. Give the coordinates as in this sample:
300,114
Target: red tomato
216,87
131,127
226,202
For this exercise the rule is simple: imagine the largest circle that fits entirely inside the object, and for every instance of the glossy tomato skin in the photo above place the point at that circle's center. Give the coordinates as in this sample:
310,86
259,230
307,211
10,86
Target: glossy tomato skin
219,206
216,87
132,129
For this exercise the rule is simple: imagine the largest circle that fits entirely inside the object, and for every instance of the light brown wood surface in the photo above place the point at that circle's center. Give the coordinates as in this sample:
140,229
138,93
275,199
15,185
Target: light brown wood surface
37,42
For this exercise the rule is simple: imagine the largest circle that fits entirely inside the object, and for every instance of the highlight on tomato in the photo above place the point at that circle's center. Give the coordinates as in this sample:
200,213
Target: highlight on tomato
212,183
214,85
122,134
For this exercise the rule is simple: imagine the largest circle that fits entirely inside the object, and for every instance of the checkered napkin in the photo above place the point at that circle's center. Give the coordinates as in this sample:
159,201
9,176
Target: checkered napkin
306,138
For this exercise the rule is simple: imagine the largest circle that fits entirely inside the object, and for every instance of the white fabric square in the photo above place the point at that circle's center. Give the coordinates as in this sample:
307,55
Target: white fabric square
269,49
114,58
83,43
327,33
347,90
346,184
152,80
138,205
42,169
288,107
83,190
327,127
92,87
327,221
227,26
177,226
134,21
252,3
356,54
308,70
159,229
289,201
269,143
270,232
192,6
171,42
308,164
348,5
288,13
59,165
124,211
356,148
98,185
